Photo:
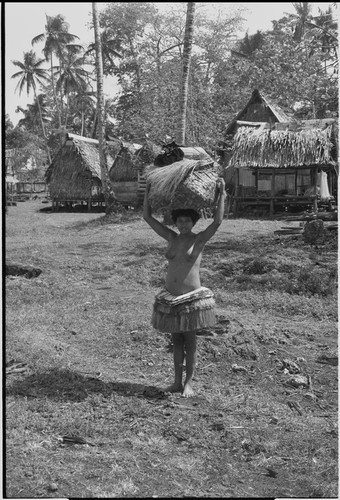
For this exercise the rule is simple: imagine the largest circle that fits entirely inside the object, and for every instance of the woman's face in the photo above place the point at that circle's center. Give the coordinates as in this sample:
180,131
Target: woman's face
184,224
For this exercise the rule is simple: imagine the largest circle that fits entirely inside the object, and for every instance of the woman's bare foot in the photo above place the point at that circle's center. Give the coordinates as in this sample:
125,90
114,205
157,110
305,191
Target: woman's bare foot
174,388
188,391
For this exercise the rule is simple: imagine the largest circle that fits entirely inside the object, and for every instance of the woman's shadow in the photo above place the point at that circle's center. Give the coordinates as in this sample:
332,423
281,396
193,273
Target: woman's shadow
67,385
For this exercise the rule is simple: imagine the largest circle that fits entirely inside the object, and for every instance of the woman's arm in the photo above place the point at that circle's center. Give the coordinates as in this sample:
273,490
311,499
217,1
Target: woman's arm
157,226
219,213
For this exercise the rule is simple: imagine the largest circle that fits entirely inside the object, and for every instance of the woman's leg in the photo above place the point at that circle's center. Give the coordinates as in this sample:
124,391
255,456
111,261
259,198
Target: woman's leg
190,346
178,343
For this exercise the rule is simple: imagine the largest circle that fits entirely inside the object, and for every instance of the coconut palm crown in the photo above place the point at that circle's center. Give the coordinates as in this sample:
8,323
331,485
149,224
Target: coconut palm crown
31,72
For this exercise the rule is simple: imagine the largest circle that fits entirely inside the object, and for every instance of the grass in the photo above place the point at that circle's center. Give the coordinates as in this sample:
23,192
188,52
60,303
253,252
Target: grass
94,368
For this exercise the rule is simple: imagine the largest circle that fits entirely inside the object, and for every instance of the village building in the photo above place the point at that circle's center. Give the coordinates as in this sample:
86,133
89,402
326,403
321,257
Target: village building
275,162
25,176
127,172
74,175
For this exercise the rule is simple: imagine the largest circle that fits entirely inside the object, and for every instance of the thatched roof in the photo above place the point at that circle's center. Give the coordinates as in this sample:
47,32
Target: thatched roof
86,151
282,145
266,108
123,167
131,159
75,169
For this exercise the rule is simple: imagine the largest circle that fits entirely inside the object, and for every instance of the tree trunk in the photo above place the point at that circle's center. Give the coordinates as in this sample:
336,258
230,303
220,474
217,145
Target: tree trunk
56,101
183,98
42,126
109,196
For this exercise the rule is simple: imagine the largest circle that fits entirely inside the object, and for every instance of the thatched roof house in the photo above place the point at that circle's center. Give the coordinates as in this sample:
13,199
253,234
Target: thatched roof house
124,166
285,164
272,159
74,173
131,160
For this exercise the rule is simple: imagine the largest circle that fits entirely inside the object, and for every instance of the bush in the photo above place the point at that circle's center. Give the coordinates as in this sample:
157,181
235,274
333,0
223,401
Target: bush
258,266
312,281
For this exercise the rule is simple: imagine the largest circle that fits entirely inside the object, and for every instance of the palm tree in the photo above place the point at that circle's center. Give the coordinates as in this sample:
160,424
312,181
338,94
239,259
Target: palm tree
84,103
56,36
109,196
73,77
31,73
326,37
109,51
303,15
188,36
34,113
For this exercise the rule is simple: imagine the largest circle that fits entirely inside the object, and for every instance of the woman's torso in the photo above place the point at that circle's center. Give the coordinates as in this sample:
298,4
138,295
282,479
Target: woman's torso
184,254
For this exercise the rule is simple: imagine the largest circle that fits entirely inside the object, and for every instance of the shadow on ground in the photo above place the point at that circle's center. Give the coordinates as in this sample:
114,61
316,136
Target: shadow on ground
67,385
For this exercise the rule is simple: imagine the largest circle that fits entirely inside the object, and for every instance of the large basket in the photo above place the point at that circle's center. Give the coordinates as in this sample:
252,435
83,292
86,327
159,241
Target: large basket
197,190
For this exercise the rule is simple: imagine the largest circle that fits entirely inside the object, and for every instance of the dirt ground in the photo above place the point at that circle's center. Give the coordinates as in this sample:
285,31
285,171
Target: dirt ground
83,363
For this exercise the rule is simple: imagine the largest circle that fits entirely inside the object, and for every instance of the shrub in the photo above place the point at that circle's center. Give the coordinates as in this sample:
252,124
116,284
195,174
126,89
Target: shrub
312,281
258,265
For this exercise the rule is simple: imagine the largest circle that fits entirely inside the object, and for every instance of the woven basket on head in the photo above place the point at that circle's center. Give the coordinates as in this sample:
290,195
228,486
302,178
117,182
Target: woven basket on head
184,184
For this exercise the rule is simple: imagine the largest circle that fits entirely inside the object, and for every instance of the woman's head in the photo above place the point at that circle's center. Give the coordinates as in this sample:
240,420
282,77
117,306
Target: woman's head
185,212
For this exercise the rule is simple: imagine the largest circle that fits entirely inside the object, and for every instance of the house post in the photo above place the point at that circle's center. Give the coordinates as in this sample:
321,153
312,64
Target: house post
272,194
236,192
315,201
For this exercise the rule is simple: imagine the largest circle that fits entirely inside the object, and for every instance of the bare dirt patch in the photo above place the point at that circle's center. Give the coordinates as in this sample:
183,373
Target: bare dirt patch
83,363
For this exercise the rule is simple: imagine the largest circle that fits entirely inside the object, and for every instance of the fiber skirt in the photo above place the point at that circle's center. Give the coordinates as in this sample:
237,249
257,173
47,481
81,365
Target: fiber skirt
184,313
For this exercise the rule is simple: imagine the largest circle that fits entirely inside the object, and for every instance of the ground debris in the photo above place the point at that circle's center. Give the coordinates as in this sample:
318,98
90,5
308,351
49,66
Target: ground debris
16,368
295,406
20,270
328,359
298,381
271,472
76,440
290,366
238,368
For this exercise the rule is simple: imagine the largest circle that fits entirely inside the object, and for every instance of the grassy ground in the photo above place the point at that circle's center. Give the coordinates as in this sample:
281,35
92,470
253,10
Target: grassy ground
83,361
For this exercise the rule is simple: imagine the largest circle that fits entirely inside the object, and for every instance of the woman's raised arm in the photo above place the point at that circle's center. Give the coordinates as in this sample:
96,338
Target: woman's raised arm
219,213
157,226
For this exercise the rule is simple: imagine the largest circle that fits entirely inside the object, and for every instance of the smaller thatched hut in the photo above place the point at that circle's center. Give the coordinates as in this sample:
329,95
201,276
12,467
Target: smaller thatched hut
74,174
127,171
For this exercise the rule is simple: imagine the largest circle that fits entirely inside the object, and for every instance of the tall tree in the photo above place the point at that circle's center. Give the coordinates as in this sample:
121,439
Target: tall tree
72,76
56,36
31,73
33,115
109,52
183,99
325,29
303,15
109,196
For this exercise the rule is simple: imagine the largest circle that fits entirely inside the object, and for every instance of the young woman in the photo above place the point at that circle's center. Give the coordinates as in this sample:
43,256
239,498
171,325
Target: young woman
184,306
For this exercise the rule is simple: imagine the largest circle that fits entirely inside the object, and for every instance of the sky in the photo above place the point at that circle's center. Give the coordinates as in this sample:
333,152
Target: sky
23,21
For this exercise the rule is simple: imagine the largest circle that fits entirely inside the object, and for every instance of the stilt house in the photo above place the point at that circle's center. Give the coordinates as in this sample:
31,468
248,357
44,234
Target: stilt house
275,162
74,174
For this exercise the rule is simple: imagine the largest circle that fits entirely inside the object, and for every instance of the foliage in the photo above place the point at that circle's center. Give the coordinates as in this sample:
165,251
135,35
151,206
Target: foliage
294,64
311,281
26,146
31,72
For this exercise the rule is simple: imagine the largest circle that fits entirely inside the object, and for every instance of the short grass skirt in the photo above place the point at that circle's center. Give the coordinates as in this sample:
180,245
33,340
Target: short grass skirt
184,313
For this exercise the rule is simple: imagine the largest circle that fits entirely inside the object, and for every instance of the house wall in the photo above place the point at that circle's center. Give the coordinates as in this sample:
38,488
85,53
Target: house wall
31,187
126,192
70,180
